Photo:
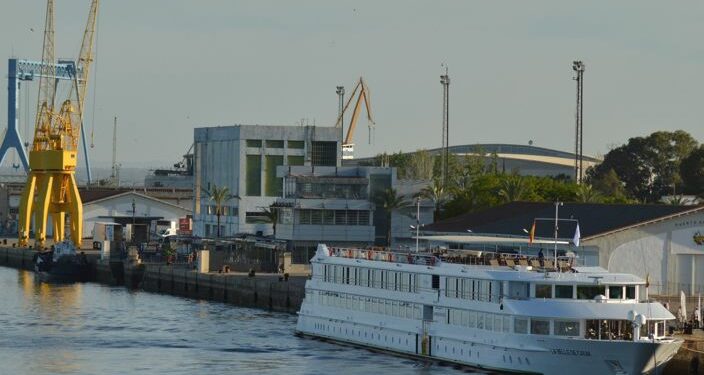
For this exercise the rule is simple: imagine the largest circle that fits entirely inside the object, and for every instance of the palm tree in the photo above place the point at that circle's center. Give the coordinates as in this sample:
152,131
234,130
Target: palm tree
272,214
436,192
587,194
219,195
512,189
390,200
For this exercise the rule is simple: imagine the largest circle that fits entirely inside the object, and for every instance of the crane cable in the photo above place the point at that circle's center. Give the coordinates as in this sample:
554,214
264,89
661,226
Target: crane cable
95,80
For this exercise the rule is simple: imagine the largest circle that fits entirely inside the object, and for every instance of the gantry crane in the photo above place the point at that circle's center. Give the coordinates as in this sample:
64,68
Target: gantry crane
51,187
347,145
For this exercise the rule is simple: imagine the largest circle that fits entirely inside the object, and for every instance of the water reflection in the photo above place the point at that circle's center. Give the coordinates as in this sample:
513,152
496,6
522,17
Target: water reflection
95,329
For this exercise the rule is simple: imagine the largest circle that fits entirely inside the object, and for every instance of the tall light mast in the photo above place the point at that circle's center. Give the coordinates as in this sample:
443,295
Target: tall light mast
578,68
445,81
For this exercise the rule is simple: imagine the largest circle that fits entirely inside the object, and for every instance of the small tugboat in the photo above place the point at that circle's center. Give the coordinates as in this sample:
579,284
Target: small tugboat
62,263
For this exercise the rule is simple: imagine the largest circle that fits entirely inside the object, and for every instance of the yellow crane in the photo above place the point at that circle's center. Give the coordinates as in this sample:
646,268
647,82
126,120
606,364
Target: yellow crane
363,95
51,188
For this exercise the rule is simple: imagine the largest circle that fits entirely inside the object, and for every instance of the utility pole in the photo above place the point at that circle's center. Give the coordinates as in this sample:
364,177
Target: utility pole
578,68
341,96
445,82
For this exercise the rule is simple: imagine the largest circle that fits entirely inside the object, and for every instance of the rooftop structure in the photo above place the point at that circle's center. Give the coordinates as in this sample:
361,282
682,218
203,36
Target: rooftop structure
525,159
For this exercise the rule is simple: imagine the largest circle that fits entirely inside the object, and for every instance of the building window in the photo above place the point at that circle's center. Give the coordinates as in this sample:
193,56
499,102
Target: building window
274,144
296,144
254,175
363,218
255,217
273,186
324,153
295,160
254,143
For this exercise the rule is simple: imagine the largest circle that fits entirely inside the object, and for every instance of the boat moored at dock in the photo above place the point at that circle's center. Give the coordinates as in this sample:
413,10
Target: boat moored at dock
525,319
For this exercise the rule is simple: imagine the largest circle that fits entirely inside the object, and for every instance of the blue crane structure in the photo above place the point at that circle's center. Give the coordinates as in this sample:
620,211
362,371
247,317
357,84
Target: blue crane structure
26,70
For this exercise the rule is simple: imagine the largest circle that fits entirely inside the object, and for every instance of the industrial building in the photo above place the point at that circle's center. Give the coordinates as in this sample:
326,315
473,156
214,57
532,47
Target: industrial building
664,243
334,205
244,159
526,160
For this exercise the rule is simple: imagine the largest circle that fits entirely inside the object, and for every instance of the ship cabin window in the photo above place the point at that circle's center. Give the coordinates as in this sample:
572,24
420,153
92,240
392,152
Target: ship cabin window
543,290
564,291
520,325
590,291
539,326
615,292
436,281
566,328
631,292
518,290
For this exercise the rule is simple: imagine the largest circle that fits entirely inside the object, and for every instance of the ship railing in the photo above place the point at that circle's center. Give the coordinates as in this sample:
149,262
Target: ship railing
496,259
379,254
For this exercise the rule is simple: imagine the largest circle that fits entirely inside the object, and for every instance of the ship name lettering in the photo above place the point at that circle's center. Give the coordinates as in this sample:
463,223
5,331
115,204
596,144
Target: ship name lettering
574,352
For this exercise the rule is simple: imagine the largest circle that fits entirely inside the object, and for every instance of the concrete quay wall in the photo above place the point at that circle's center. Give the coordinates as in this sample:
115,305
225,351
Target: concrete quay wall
261,291
266,291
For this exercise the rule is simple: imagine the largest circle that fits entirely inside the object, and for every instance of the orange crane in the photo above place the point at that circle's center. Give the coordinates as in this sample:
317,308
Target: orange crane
51,188
347,145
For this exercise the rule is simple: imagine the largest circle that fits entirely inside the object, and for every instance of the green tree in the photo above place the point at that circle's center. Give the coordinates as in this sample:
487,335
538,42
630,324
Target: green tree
389,200
512,189
692,172
648,166
219,196
419,166
272,215
587,194
437,194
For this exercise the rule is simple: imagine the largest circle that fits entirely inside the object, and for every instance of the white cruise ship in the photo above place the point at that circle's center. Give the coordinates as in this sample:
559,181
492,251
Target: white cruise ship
499,317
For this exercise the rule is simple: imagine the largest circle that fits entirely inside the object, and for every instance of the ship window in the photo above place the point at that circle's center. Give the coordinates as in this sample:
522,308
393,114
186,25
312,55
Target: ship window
472,319
498,322
543,290
563,291
539,327
489,322
616,292
631,292
436,281
520,325
589,291
507,323
566,328
480,320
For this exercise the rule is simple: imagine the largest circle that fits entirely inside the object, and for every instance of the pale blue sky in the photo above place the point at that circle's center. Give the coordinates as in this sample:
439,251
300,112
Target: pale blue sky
166,66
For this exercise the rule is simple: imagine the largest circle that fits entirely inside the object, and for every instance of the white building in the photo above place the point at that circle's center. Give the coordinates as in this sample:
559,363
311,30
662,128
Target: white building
244,158
126,208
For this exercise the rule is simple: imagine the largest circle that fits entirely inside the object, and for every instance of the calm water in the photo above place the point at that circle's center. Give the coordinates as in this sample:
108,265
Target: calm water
96,329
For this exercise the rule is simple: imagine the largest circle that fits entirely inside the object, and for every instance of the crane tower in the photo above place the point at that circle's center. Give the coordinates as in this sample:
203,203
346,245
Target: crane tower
51,188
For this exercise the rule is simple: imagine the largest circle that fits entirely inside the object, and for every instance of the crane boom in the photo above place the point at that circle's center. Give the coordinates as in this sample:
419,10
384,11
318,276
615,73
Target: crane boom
363,95
51,189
